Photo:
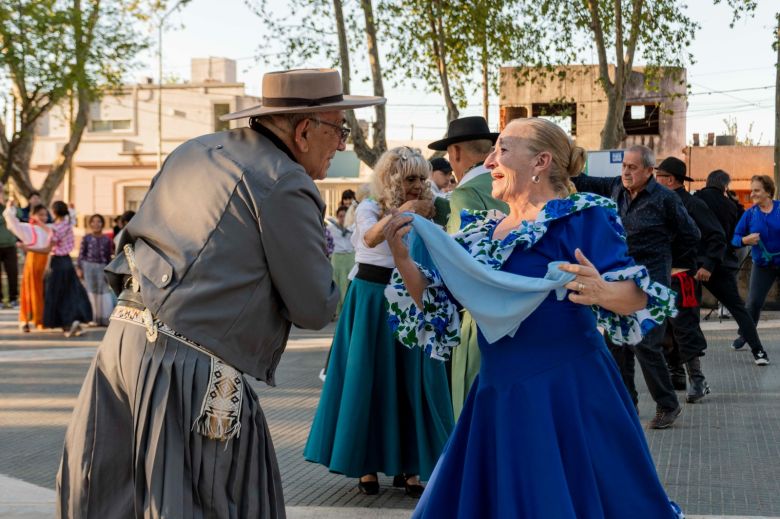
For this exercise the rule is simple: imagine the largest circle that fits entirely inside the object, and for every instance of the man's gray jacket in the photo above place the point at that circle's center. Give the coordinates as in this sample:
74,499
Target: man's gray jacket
230,246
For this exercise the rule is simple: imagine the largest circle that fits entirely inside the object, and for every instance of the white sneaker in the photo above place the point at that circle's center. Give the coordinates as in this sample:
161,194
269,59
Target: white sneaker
321,376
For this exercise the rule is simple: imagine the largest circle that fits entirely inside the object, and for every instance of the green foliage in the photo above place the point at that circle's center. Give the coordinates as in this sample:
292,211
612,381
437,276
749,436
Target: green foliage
304,39
426,35
55,50
48,47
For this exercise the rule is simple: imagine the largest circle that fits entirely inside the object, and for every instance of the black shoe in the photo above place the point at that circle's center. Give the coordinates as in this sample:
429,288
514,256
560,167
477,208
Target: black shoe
664,418
761,358
697,392
369,488
738,343
412,490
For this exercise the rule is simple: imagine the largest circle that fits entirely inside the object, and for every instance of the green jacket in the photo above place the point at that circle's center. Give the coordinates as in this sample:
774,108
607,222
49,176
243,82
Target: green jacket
7,239
474,195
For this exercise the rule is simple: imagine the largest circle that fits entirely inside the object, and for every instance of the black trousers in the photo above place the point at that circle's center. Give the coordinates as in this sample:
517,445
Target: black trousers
10,264
685,340
723,285
651,359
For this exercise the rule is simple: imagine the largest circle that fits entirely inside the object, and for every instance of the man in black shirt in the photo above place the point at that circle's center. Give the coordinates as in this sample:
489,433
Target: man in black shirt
685,340
657,228
723,282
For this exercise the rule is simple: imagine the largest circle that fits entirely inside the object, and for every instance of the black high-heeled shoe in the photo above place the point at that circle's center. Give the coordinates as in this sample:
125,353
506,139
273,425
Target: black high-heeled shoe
369,488
414,490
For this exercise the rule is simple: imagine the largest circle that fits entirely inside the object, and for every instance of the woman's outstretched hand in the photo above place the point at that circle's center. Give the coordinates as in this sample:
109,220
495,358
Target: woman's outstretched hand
588,288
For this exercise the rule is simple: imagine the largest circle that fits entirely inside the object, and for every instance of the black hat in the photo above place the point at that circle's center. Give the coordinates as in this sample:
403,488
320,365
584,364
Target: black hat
674,167
464,129
440,164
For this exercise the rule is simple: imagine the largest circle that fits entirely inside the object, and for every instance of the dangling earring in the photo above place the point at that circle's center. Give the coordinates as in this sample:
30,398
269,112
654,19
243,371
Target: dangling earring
535,179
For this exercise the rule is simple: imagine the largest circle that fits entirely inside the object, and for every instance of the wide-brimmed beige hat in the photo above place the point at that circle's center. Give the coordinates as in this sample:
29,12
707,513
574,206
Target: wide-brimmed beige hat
304,90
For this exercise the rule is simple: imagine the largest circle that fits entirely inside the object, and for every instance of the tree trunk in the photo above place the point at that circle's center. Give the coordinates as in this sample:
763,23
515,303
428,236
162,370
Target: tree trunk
368,154
19,160
65,159
777,104
380,125
439,51
485,75
613,132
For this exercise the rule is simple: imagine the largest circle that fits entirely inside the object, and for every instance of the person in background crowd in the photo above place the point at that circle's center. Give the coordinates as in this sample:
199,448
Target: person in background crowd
658,229
31,303
468,142
123,220
453,183
95,253
347,198
440,176
722,284
759,228
8,260
685,342
72,214
363,191
383,408
343,258
116,227
66,304
440,182
32,201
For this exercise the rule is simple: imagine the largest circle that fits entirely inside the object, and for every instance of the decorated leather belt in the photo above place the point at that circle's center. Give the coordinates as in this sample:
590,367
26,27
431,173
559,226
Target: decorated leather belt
220,413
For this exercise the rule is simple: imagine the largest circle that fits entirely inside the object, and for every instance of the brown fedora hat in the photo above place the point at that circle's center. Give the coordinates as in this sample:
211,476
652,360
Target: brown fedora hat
303,90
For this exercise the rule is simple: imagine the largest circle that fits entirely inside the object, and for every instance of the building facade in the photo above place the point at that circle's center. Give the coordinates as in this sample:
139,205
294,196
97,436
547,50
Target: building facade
654,117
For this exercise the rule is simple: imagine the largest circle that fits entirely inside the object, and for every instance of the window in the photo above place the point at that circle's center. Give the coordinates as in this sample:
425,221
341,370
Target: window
109,125
221,109
134,195
562,114
642,119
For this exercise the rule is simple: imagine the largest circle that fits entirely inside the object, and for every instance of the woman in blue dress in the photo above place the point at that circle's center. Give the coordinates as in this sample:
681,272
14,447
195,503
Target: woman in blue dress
383,408
548,430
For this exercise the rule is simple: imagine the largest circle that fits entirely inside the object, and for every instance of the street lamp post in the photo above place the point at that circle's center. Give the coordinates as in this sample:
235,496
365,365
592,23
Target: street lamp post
160,79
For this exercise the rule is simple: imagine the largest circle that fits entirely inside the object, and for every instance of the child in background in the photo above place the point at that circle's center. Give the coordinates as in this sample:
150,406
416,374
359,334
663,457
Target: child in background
94,254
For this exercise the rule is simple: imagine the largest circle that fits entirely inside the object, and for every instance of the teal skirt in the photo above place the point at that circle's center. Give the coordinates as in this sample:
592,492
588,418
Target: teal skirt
384,408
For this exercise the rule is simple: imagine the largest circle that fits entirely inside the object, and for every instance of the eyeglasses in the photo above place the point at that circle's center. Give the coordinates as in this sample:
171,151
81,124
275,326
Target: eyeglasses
413,178
343,131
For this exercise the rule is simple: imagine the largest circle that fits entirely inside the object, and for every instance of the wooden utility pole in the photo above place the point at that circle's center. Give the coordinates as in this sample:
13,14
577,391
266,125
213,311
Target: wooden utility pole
777,103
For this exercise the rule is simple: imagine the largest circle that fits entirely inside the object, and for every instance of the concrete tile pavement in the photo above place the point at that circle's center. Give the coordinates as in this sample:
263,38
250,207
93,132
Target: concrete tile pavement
720,458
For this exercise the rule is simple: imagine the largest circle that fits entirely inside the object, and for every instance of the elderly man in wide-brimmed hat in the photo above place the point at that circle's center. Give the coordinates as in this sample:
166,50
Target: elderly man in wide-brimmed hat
467,143
226,251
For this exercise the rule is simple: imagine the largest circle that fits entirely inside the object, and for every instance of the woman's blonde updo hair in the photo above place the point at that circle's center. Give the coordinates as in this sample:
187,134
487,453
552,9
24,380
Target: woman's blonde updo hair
387,183
568,159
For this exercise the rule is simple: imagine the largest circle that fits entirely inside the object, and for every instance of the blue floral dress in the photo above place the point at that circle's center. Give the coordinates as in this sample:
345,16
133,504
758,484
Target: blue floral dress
548,429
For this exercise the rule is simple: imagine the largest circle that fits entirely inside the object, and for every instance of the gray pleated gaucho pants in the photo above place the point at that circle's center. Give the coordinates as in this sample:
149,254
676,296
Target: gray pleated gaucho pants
130,451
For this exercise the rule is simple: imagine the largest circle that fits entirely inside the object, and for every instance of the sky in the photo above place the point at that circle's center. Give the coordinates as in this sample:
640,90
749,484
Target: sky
738,62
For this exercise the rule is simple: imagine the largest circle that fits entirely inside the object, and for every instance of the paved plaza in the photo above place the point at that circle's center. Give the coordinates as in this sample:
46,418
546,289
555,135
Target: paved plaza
722,458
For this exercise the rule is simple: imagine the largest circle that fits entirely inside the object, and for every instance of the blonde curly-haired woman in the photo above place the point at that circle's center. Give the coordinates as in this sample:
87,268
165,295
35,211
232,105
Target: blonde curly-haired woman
384,408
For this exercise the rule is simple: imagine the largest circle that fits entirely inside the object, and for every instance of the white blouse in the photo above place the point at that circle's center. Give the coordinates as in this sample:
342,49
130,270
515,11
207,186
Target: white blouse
367,215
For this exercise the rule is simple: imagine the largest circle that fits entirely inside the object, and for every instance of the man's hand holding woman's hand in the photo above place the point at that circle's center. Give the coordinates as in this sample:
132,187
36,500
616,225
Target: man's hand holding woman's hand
395,230
422,207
